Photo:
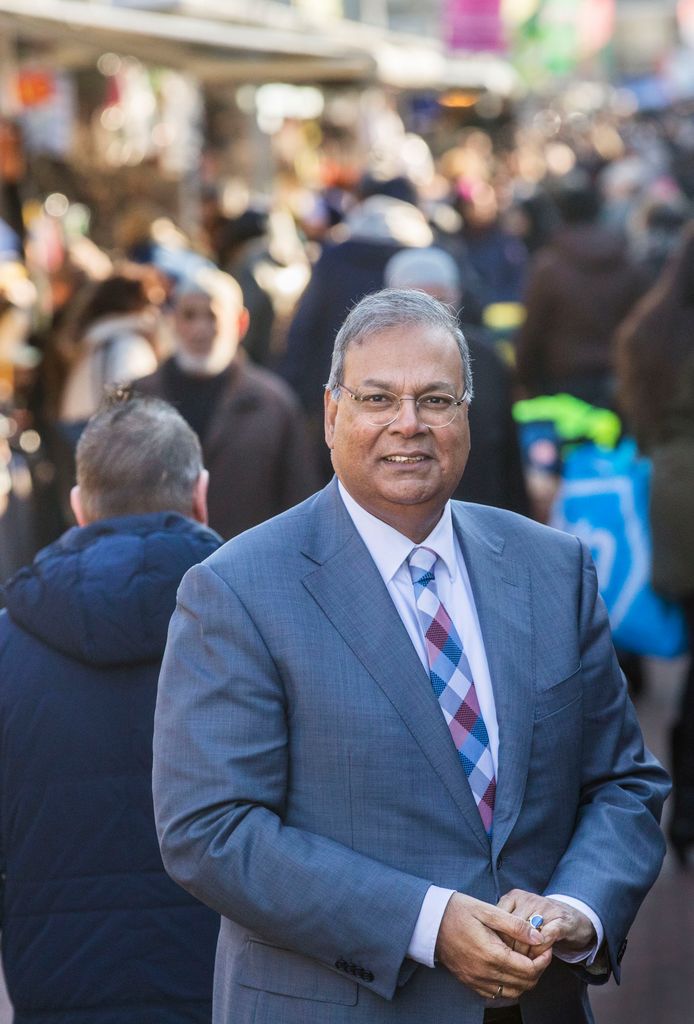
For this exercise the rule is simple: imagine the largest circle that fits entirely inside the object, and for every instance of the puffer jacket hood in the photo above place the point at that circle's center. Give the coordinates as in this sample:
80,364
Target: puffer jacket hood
104,593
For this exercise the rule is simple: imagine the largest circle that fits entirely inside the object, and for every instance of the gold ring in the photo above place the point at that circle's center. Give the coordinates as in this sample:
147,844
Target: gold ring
498,992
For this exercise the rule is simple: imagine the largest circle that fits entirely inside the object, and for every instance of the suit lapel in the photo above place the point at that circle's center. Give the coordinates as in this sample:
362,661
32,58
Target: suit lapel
501,589
348,587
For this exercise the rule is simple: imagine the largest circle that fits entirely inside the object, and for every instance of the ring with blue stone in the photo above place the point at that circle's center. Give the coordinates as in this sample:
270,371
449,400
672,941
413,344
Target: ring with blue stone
536,920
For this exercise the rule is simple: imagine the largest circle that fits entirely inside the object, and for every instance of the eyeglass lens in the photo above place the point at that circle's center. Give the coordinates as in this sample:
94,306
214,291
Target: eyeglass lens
434,409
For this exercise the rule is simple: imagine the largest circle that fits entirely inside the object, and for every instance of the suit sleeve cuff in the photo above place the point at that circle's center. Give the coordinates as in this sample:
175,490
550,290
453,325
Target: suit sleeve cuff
588,955
423,942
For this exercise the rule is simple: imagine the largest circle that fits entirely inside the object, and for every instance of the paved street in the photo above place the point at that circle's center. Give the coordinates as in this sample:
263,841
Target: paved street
657,977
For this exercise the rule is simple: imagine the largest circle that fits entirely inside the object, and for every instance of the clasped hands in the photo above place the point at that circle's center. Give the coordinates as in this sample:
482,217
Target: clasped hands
495,951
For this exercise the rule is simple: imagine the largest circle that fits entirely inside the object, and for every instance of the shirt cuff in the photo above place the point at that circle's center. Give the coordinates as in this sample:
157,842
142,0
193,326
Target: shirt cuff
589,954
426,931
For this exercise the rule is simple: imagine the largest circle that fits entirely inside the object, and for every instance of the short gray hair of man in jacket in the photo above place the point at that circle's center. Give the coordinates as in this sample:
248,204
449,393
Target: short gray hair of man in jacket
307,782
138,455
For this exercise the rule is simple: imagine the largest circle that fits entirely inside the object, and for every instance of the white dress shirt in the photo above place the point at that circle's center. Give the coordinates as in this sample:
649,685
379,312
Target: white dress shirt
389,550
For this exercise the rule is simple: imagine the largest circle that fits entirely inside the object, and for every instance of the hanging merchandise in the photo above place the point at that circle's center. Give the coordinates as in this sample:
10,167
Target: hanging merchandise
473,25
124,125
178,133
48,110
35,86
551,37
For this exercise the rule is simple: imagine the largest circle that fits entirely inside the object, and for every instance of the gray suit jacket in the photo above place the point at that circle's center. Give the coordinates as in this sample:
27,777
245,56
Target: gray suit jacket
306,785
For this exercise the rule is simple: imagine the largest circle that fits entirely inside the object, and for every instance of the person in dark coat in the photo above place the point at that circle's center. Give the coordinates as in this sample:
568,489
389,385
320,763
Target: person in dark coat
93,929
499,258
655,349
494,471
243,252
253,433
580,288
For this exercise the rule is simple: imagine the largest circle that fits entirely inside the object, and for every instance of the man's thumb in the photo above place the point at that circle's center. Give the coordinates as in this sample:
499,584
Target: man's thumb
517,928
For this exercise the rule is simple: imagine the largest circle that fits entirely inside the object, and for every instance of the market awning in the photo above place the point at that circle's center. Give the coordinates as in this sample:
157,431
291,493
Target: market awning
221,49
211,49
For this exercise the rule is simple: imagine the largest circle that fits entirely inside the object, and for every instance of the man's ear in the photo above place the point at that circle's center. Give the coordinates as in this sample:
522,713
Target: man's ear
200,497
330,407
77,507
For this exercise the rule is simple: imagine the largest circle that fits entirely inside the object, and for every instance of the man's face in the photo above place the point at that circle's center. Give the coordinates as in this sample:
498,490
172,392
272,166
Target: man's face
405,472
198,323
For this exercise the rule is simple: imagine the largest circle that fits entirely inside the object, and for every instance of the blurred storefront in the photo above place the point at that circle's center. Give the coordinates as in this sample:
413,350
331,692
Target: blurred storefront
127,101
157,99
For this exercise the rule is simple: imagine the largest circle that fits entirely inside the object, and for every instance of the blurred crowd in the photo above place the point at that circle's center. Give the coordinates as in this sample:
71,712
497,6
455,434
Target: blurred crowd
552,232
564,242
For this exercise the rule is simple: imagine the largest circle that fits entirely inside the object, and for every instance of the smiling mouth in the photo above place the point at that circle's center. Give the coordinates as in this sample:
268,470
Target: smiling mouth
406,459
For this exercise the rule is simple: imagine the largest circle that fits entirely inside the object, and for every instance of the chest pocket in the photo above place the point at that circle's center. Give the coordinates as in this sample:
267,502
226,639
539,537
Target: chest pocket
558,697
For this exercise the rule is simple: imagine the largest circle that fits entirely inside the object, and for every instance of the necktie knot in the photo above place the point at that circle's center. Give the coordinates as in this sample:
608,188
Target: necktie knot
421,562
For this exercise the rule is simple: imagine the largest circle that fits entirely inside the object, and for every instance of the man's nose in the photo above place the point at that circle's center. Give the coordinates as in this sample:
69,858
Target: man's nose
407,421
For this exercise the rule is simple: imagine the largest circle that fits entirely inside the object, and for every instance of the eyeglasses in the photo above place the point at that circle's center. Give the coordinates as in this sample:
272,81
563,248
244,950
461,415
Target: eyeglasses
381,408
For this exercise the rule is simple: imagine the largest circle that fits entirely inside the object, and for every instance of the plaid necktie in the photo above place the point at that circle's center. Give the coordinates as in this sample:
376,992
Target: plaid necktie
452,680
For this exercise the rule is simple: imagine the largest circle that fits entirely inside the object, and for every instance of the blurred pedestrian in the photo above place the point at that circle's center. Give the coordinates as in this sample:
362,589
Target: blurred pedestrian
110,339
532,217
112,342
656,234
656,374
494,472
243,252
581,286
252,430
18,494
65,284
498,256
93,929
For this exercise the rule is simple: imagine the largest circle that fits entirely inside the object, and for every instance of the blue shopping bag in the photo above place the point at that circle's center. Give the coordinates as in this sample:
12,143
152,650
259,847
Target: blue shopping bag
603,499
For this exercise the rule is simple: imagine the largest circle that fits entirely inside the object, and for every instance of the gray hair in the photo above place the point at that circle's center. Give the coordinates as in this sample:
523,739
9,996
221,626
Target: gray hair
212,283
137,455
389,308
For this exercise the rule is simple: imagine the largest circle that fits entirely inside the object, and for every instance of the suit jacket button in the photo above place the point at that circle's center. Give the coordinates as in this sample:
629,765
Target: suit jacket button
341,964
368,976
499,862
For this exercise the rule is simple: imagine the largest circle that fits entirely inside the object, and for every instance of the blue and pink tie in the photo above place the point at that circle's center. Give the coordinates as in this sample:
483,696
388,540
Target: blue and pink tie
451,678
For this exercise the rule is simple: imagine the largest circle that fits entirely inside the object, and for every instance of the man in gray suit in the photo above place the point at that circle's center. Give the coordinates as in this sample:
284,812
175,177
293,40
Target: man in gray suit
393,747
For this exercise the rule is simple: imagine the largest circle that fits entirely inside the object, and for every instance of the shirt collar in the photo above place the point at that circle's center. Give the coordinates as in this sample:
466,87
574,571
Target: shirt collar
389,548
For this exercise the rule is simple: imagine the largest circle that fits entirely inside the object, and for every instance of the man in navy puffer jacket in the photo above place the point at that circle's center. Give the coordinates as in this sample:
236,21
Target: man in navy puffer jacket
94,931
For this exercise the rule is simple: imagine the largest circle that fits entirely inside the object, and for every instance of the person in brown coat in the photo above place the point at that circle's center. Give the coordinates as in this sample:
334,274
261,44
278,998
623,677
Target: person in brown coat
250,425
581,286
656,375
